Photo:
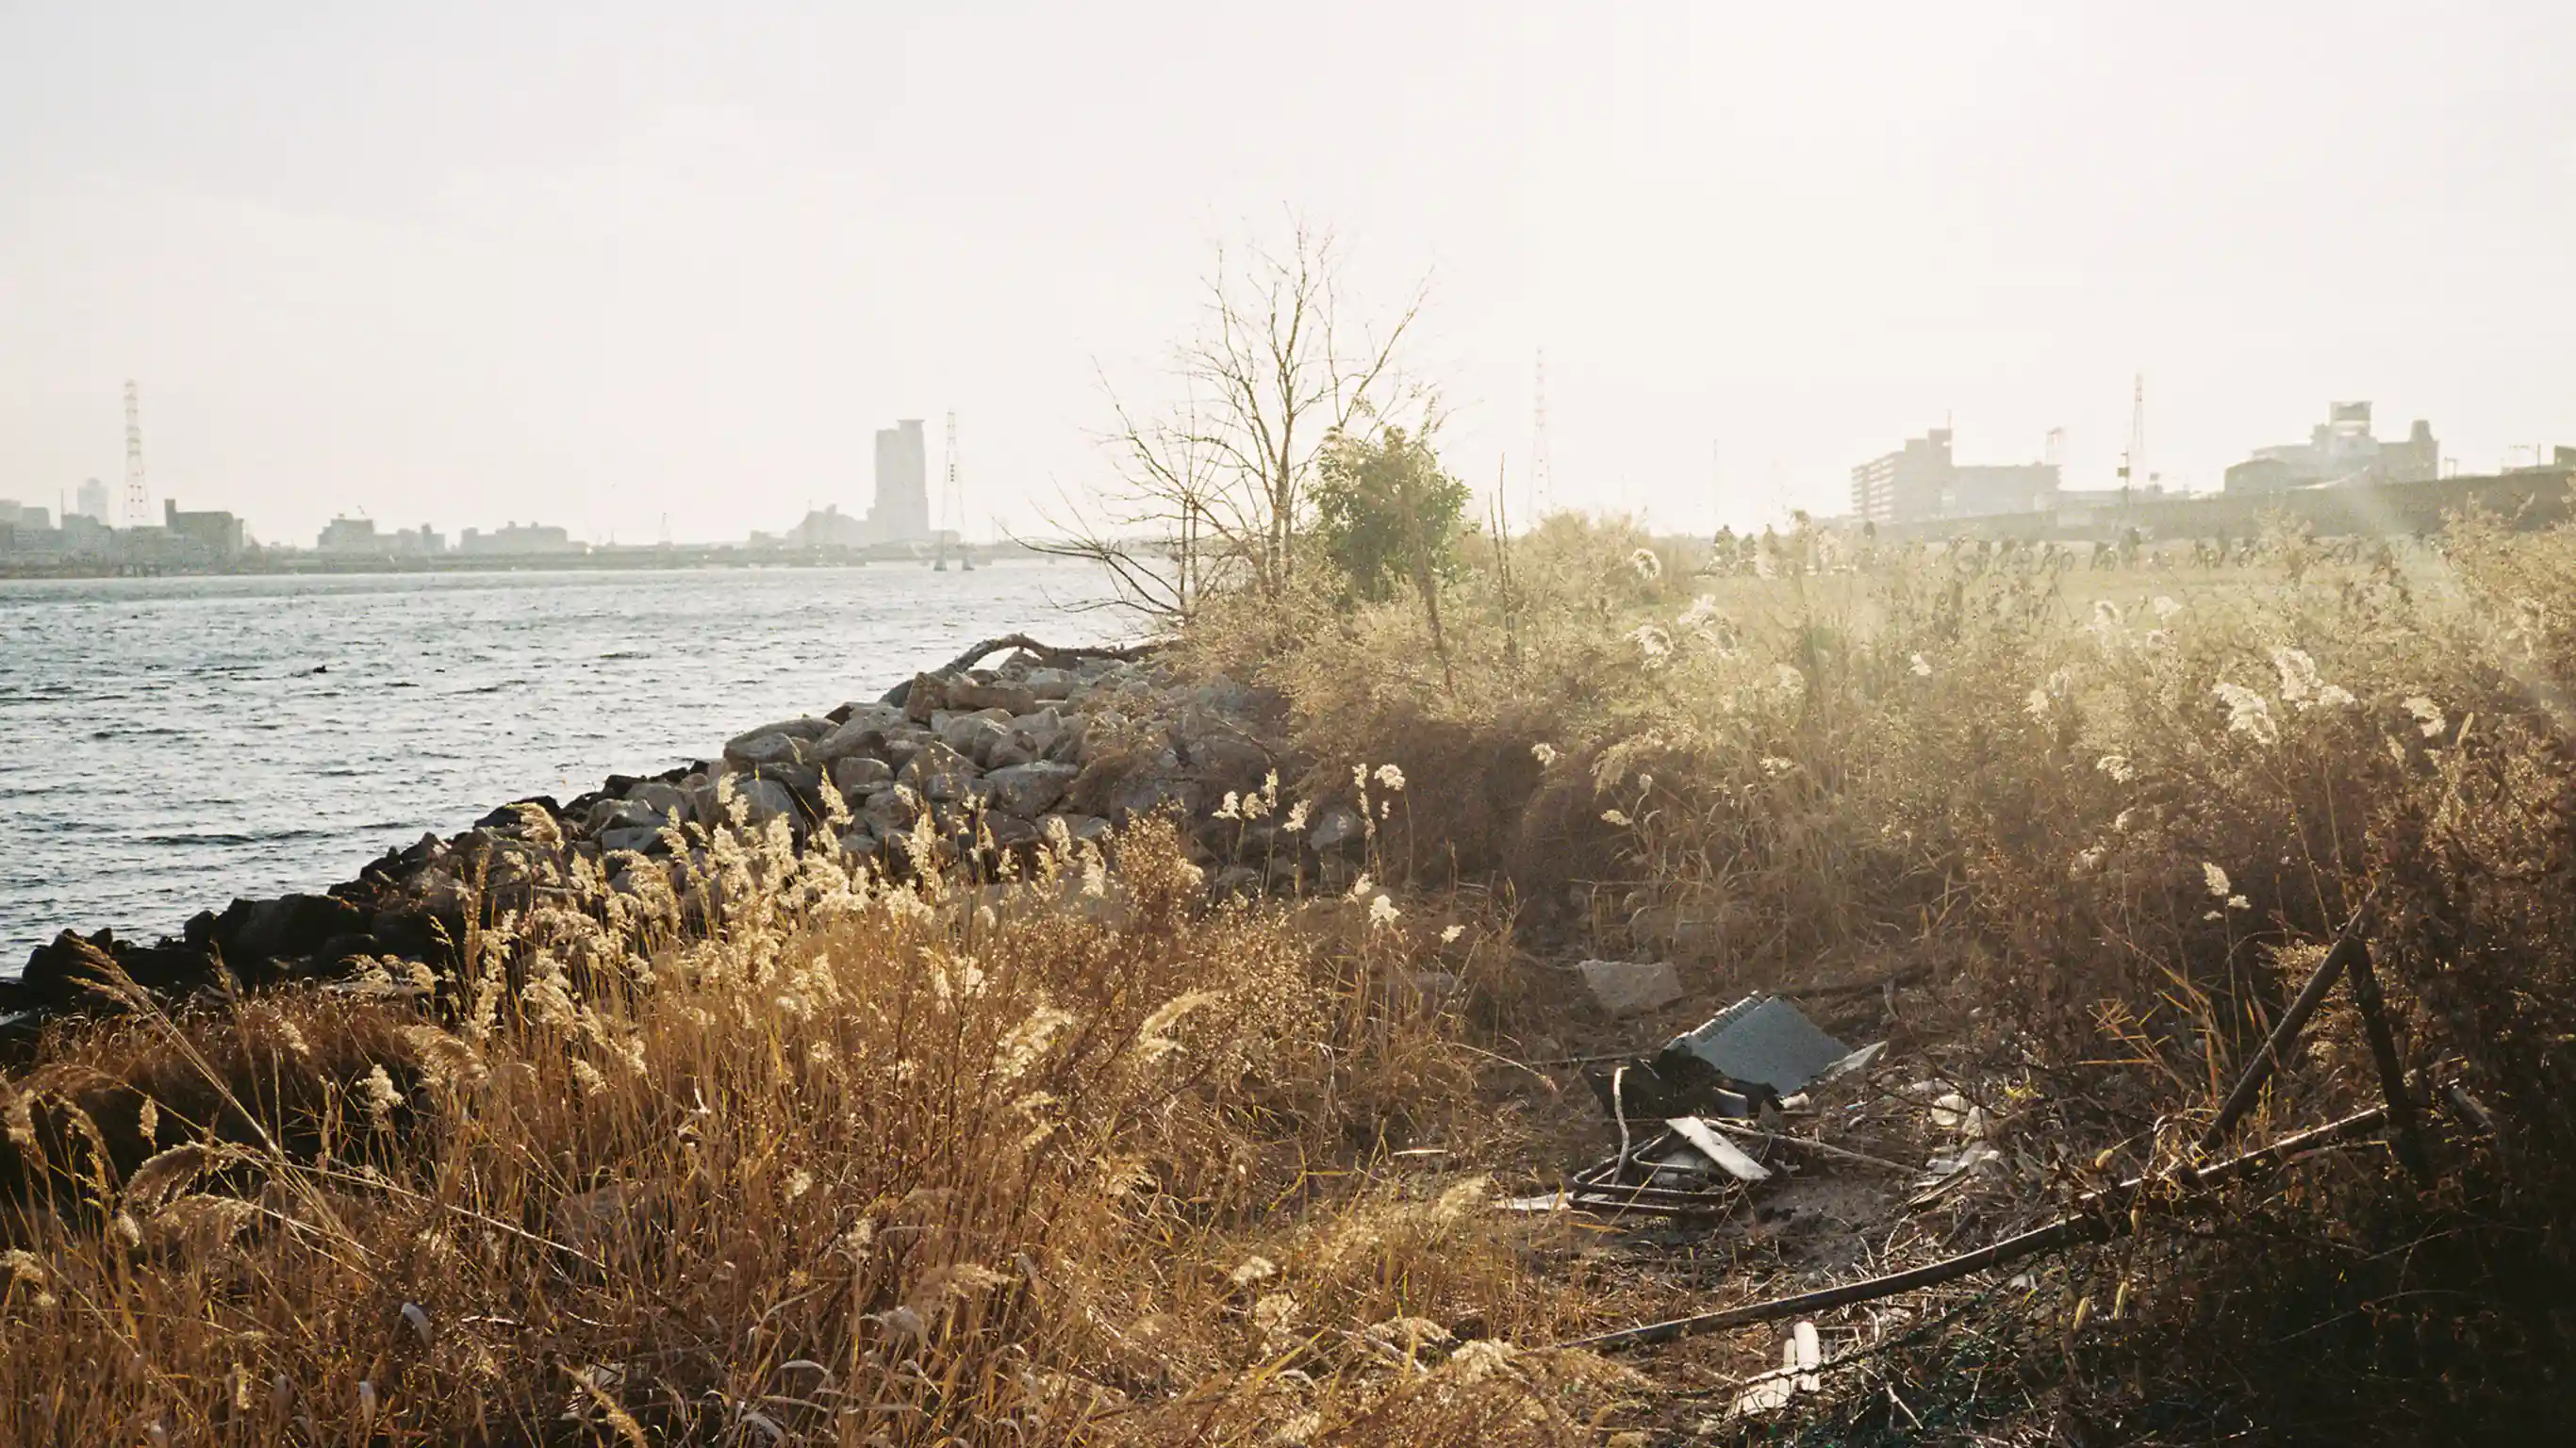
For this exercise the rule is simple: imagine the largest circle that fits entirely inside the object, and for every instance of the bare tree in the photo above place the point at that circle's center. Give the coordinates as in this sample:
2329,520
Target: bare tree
1212,492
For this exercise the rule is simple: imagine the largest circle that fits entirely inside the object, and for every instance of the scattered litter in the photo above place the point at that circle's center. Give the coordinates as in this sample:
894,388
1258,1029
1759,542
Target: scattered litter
1729,1157
1957,1114
1947,1171
1631,987
1761,1041
1802,1357
1742,1060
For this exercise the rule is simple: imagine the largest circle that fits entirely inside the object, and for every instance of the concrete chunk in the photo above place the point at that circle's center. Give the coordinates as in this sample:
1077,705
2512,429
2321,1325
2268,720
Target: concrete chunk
1631,987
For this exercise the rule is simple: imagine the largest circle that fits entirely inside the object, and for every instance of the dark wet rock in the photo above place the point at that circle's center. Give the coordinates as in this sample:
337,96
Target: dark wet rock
293,925
72,973
513,816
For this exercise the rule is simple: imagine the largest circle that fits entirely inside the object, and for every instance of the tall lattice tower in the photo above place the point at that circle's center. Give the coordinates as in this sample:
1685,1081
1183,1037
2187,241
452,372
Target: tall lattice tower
952,492
1542,474
2133,463
138,499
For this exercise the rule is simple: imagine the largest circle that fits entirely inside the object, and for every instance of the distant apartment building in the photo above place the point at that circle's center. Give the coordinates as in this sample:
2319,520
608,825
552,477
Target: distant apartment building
2341,451
26,530
91,501
517,539
901,512
829,528
1920,480
348,536
217,535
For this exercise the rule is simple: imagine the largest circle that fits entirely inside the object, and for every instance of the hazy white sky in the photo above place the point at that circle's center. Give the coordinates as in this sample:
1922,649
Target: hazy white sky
598,264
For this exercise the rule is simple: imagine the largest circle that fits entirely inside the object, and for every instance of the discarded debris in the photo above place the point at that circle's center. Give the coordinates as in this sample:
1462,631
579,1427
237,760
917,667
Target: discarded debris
1631,987
1743,1059
1729,1157
2098,1216
1761,1041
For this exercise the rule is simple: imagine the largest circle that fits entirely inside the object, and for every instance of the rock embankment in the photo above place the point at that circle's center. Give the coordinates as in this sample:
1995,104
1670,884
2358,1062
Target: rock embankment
1051,743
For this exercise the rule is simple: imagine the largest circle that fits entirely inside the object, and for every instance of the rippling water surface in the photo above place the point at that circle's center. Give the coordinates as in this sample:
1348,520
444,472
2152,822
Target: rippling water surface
168,744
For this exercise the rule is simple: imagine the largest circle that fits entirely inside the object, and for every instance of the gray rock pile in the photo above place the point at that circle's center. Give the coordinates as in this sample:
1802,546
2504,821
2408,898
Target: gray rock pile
980,762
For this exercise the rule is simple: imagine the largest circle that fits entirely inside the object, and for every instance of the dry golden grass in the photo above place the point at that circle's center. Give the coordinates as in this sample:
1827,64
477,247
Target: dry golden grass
1067,1159
2107,809
1085,1157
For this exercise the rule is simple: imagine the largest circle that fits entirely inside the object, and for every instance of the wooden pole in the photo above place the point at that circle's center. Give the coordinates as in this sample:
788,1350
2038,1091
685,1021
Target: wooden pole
2392,1070
2284,1032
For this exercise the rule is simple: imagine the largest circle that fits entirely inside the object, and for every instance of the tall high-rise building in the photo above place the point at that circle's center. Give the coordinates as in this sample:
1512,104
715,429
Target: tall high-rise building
92,501
902,508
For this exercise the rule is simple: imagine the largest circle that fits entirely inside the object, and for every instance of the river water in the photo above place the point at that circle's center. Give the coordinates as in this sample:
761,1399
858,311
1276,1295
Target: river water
169,743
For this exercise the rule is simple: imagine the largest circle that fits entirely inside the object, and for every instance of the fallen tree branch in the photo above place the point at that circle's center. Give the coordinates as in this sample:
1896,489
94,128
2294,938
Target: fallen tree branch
2098,1216
1047,653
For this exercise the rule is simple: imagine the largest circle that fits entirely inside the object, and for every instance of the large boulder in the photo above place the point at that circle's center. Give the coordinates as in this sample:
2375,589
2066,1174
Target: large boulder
1033,737
637,837
1029,790
1051,685
762,800
859,774
886,813
863,730
662,797
70,973
291,925
976,735
926,695
764,750
1150,790
939,774
1010,698
803,781
609,814
902,744
1079,828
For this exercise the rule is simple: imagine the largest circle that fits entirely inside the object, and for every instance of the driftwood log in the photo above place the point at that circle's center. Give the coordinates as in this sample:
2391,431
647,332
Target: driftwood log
1047,654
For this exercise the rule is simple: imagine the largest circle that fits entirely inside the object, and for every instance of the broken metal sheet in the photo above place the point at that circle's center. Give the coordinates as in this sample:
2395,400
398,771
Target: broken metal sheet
1761,1041
1729,1157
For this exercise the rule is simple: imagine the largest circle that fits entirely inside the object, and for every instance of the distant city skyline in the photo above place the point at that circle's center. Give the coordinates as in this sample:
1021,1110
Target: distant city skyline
522,262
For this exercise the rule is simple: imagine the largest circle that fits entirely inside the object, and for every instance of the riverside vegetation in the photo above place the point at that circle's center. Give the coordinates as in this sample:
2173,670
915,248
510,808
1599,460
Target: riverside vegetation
1061,1143
1096,1050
